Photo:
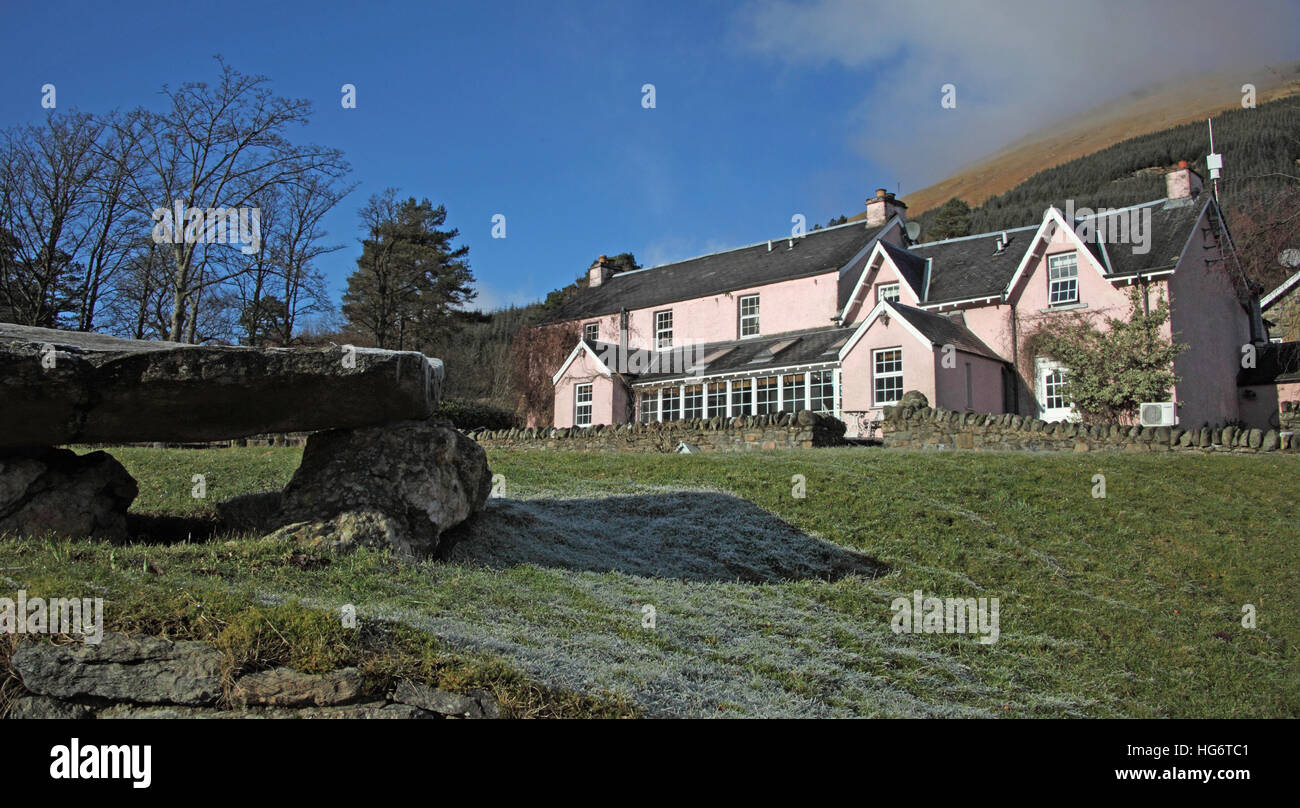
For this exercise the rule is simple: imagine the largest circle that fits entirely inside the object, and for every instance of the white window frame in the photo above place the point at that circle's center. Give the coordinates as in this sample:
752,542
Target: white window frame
882,289
717,390
579,404
772,394
1064,281
1044,370
876,375
687,396
800,388
825,380
588,328
745,387
671,394
661,329
751,318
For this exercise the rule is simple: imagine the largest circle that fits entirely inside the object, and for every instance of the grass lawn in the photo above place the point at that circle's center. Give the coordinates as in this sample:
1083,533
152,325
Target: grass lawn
764,603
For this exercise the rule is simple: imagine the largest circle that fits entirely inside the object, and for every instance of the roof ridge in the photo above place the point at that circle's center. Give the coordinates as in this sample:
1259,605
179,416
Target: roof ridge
759,243
998,231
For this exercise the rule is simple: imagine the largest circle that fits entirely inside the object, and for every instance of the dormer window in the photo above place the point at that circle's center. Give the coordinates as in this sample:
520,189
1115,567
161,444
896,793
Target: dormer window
591,331
1063,279
887,291
749,316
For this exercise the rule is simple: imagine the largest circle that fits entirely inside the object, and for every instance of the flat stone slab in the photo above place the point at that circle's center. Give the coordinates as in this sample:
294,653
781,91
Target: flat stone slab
142,670
59,387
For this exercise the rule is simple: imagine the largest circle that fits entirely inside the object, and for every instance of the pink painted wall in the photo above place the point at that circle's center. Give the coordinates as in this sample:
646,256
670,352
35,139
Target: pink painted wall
880,271
1258,406
856,383
1098,294
609,398
1288,391
792,305
1208,319
950,383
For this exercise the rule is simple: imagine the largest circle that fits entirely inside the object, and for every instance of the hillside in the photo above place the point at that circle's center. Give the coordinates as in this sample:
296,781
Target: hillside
1138,113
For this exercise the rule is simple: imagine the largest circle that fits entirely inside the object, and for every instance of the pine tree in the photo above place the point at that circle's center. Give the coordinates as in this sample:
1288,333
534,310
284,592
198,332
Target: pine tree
950,221
411,282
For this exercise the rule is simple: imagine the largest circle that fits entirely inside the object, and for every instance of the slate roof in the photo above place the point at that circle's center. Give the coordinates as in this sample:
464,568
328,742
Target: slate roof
753,354
1172,221
825,250
971,267
910,265
968,267
944,330
959,269
1275,363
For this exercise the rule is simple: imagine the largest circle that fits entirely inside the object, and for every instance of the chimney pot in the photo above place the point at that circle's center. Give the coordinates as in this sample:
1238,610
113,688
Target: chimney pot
882,206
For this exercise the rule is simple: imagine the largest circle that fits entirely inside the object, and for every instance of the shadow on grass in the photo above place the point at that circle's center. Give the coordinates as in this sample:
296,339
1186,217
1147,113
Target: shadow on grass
155,529
692,536
239,516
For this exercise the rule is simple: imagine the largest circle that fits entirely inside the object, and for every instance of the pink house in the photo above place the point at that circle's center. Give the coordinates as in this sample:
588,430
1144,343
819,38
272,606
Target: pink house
843,320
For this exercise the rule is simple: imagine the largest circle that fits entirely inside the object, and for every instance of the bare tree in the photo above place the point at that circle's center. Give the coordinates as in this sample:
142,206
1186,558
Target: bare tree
47,182
219,147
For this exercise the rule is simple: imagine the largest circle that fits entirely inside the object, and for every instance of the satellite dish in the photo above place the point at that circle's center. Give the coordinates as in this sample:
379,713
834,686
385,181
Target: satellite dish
913,230
1289,258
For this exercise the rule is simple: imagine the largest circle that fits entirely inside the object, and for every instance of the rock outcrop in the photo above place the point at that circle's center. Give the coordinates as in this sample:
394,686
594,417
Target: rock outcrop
59,387
56,490
402,486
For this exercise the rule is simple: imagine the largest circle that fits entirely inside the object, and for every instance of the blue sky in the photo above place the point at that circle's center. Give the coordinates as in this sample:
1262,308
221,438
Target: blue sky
763,110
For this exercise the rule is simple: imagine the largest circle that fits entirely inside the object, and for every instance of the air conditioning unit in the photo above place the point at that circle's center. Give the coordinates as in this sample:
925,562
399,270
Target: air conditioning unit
1157,413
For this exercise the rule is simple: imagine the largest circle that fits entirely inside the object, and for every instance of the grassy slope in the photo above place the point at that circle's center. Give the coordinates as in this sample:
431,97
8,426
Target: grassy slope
1153,109
1109,607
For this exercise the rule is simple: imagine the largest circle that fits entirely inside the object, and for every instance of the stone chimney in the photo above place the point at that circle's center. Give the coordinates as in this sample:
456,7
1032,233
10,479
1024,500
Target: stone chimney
599,272
882,207
1182,182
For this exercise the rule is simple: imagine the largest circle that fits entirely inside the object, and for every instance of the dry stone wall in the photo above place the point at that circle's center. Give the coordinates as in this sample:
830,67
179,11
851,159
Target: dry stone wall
929,428
740,434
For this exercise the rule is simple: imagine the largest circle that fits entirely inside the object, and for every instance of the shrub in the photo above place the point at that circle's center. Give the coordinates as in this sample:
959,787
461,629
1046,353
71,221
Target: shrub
474,415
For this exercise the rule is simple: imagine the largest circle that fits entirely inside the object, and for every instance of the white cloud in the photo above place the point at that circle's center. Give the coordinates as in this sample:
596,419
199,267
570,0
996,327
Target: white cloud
1016,65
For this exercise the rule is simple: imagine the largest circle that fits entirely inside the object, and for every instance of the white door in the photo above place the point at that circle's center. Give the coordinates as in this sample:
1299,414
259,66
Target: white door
1052,404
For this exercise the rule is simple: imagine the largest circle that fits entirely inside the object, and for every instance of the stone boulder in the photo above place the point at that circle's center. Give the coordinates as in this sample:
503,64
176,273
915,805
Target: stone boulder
401,486
45,489
141,670
915,399
59,387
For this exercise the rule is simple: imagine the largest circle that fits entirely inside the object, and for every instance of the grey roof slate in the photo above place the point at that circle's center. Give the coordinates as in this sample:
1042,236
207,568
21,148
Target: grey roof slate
959,269
809,347
911,266
971,267
941,329
820,251
1172,222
